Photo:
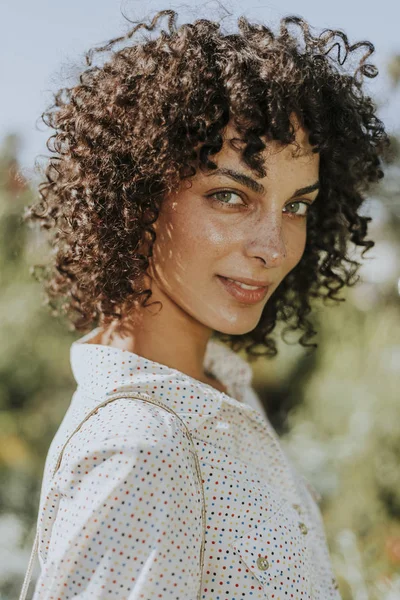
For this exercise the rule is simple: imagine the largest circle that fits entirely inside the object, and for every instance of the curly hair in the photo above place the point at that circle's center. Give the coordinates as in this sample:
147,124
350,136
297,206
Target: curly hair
131,129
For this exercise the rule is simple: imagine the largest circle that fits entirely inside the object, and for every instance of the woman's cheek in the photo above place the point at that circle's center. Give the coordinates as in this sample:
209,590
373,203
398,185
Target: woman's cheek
295,250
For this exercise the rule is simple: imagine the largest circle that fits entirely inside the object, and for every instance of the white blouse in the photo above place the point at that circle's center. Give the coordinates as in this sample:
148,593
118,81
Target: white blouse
121,519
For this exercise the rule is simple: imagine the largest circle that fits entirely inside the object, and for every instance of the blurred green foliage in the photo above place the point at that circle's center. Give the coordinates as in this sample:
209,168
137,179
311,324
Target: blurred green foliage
36,383
337,409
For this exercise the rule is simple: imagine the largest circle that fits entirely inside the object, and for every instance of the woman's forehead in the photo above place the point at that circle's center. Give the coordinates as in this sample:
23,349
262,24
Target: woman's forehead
232,137
276,157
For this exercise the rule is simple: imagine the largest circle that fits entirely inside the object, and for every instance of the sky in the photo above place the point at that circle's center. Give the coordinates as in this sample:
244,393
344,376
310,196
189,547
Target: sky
41,41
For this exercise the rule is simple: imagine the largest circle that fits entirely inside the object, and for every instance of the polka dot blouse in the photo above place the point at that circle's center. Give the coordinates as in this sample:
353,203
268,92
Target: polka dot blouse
122,519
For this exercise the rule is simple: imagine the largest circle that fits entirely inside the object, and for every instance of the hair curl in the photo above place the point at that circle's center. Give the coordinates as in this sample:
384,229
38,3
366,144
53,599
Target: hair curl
131,129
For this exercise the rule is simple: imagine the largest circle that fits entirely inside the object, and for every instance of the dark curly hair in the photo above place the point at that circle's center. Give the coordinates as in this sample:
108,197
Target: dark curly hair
132,129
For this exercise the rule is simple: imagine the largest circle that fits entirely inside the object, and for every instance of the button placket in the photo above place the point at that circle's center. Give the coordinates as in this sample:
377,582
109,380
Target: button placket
302,526
335,583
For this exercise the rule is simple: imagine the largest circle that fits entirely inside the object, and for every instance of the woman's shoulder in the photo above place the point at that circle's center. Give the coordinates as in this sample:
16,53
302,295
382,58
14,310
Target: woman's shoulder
126,426
127,422
125,474
121,440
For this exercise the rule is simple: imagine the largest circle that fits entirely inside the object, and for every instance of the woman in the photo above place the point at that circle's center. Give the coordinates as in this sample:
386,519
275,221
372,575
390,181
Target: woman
221,175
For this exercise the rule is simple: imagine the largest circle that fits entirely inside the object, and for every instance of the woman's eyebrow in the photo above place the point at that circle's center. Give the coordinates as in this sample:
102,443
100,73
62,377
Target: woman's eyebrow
258,187
306,190
240,178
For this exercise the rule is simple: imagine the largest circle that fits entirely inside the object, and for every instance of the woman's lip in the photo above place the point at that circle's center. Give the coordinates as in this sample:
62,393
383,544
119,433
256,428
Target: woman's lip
246,296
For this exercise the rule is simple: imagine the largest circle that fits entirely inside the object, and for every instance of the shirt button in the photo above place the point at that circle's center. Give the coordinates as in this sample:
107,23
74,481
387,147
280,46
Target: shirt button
262,563
303,528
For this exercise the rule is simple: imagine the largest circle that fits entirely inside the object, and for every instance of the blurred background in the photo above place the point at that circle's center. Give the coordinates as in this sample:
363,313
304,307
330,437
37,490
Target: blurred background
337,410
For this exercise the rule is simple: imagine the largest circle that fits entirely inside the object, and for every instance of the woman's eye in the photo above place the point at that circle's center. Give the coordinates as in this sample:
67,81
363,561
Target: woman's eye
224,197
300,212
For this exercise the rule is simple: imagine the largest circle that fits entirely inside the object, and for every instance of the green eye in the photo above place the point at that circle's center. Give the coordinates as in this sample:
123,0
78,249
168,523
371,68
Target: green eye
226,193
296,213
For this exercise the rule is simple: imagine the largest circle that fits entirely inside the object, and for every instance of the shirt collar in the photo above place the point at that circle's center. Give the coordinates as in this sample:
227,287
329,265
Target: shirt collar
101,369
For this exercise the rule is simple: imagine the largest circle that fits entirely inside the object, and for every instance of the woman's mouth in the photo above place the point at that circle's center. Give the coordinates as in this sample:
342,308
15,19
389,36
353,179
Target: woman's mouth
247,294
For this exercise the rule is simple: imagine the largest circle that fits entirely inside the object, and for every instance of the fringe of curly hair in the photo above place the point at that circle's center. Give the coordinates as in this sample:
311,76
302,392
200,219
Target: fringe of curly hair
126,134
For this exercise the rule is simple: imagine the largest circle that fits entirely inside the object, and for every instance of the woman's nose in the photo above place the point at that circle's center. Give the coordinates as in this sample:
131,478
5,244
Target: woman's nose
268,244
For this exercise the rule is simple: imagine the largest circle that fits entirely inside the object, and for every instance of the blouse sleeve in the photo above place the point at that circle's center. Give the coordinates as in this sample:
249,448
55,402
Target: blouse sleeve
128,523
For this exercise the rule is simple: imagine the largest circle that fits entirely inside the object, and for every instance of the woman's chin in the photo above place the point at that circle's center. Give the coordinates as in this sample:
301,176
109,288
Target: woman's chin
239,326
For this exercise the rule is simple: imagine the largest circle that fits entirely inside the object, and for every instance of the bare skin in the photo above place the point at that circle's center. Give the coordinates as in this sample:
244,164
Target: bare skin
257,236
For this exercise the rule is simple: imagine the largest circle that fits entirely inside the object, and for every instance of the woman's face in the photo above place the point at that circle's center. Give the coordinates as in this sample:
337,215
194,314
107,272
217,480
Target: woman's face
255,232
